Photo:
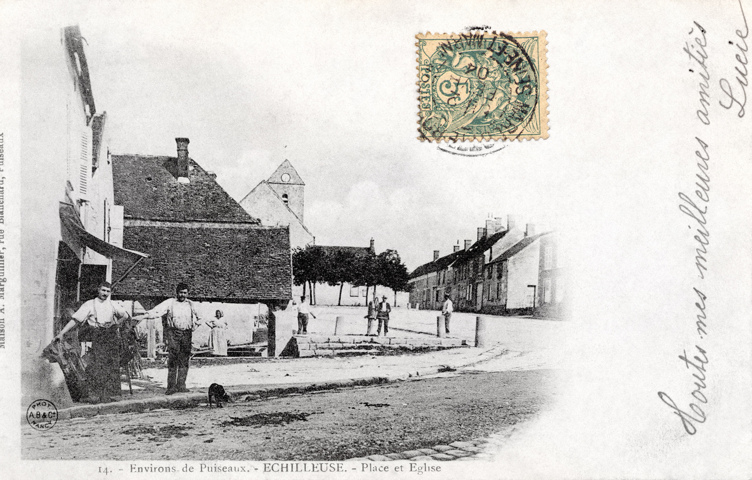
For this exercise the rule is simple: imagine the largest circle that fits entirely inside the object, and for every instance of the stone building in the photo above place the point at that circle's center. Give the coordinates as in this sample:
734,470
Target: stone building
194,232
511,279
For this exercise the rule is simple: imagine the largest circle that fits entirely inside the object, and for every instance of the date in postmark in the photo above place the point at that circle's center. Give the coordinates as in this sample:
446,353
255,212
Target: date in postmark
482,86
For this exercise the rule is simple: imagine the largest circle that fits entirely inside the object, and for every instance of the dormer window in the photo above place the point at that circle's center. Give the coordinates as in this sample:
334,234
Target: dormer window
284,195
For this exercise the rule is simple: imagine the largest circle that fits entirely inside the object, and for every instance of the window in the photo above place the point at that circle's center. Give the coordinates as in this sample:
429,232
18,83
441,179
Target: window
547,290
284,198
354,291
285,177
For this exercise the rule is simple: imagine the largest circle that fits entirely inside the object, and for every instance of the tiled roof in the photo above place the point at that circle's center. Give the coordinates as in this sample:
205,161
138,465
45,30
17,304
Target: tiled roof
148,189
236,263
518,247
331,249
437,265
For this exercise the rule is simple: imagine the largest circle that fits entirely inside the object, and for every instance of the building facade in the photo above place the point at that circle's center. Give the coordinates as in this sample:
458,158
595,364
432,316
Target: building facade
67,184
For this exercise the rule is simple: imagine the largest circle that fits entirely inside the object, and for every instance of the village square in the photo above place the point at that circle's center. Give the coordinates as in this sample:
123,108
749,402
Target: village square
151,296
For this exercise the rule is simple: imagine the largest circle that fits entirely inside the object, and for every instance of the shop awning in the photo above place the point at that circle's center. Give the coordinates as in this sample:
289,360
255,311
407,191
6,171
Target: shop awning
71,222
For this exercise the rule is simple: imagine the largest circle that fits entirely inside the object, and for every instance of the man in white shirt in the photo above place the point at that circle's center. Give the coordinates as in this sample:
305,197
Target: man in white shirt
104,317
304,311
179,320
447,310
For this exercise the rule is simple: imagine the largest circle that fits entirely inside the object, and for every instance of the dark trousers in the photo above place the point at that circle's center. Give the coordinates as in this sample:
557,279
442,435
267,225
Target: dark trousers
103,371
302,323
178,356
383,320
447,317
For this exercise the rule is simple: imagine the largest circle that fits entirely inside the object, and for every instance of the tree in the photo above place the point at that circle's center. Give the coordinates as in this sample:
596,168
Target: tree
308,267
392,272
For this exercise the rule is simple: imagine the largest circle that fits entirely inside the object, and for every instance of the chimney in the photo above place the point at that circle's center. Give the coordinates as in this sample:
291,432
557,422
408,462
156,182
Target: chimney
494,225
456,248
468,243
481,233
435,255
512,221
373,246
183,159
529,229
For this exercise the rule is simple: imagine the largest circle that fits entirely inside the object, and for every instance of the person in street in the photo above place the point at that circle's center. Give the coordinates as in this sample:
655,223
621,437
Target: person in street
447,310
104,316
304,311
371,316
218,337
179,320
382,315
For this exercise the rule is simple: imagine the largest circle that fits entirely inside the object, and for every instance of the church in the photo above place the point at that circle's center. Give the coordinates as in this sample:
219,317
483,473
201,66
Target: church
280,201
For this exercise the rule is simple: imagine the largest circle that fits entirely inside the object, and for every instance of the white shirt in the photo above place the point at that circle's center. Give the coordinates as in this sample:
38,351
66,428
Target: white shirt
182,317
98,313
448,307
304,307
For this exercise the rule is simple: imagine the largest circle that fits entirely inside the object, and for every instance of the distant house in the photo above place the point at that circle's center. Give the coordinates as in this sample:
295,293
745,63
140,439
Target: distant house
503,272
469,269
511,279
432,280
194,232
280,201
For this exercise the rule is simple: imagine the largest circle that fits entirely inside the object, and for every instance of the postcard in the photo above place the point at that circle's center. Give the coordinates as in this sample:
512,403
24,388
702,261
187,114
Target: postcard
477,239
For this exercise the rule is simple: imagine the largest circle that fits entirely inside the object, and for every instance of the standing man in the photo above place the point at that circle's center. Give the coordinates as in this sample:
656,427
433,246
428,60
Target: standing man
373,307
103,372
383,315
179,320
304,310
447,310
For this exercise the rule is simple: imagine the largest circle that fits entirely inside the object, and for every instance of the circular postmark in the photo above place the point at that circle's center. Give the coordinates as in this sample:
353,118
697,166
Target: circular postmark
471,149
41,414
481,86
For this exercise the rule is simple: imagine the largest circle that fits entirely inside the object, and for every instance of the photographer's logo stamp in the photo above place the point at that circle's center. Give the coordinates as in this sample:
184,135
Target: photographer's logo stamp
482,86
41,414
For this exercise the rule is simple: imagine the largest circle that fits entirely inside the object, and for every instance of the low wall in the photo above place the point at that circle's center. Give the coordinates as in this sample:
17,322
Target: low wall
319,345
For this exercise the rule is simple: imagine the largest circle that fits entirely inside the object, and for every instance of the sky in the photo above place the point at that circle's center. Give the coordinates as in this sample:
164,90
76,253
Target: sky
252,85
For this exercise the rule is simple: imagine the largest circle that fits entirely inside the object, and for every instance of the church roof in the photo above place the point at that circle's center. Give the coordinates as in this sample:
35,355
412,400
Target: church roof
279,175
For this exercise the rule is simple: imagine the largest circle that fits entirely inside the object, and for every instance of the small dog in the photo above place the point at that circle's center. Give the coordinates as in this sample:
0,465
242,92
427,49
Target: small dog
218,394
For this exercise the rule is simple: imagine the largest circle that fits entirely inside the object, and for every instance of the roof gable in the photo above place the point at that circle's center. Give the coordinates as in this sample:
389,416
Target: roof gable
147,188
518,247
286,168
254,197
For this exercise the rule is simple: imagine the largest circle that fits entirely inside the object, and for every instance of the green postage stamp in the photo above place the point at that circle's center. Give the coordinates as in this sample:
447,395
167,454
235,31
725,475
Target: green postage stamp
482,86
